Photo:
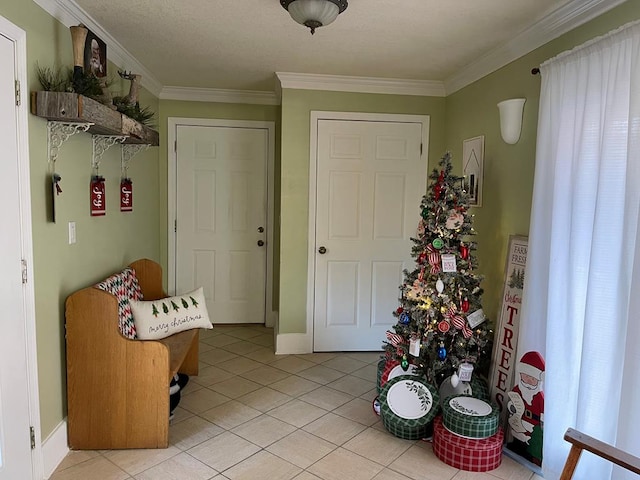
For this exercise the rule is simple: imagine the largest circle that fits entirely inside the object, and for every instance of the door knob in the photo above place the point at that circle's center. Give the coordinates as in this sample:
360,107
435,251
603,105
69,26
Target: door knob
260,229
260,243
322,250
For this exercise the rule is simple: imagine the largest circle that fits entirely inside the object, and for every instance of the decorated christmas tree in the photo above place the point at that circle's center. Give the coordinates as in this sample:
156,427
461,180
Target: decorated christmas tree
441,324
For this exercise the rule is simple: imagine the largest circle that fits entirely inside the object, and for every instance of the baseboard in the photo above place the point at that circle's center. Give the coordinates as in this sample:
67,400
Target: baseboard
54,448
290,343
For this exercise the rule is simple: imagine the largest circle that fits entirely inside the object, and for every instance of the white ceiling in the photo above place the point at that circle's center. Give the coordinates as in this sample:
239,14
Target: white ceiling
240,44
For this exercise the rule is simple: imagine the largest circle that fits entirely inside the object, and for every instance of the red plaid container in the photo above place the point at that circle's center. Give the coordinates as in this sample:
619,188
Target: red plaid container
471,455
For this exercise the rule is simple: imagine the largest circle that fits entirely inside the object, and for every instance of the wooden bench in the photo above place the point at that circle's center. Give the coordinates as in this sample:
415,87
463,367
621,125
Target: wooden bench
579,442
117,388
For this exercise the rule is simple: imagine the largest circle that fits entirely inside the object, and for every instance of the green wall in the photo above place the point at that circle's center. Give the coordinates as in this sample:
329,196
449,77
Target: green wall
104,244
294,213
509,169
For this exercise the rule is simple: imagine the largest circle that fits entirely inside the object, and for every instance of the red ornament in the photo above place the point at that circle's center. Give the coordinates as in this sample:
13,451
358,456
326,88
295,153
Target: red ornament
443,326
465,305
422,257
464,251
399,310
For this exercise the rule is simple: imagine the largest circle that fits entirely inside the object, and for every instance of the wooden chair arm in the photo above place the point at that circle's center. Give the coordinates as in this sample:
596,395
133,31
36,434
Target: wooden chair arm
579,441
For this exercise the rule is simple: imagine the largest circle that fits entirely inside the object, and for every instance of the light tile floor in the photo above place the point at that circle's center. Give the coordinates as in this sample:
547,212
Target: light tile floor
251,414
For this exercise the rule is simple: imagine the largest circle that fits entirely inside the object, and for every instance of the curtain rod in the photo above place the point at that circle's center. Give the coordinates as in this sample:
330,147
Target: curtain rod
535,71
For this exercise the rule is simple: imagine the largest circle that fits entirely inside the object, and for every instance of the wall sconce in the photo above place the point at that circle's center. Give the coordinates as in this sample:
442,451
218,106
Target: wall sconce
511,119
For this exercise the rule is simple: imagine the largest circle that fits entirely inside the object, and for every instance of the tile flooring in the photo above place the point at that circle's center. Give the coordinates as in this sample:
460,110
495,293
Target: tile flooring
251,414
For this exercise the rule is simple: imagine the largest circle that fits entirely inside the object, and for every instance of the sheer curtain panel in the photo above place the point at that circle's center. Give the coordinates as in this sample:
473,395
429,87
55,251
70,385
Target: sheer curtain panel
581,306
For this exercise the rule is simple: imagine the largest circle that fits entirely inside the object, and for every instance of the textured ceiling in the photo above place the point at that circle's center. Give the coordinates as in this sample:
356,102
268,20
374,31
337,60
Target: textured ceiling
239,44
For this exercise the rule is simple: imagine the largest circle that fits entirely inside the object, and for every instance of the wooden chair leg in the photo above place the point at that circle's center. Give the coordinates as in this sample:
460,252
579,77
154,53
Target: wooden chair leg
571,463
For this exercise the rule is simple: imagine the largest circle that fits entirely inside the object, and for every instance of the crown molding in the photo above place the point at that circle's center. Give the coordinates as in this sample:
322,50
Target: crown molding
219,95
69,13
553,25
340,83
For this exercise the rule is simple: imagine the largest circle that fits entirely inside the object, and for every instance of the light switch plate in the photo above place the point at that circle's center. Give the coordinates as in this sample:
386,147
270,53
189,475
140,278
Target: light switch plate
72,233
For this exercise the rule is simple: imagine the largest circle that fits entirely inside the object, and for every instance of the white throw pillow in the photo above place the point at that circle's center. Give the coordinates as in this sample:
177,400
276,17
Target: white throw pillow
160,318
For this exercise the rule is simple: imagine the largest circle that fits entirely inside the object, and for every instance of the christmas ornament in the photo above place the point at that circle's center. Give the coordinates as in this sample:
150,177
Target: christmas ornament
465,371
434,259
421,228
394,339
422,257
465,305
458,321
464,251
449,262
455,380
476,318
405,318
442,352
440,286
443,326
405,363
399,310
414,346
454,220
437,243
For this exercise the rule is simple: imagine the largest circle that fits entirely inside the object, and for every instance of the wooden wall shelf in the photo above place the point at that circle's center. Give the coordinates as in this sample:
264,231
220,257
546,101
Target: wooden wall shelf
71,107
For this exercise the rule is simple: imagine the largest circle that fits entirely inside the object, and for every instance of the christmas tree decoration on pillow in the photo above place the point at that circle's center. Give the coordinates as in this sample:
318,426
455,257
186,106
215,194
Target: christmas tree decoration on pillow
441,295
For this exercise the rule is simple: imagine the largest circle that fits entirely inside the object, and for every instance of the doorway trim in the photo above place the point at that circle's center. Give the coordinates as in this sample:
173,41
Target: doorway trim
173,124
19,38
305,341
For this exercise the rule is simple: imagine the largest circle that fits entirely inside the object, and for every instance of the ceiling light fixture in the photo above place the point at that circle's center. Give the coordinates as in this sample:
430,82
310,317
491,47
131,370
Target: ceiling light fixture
314,13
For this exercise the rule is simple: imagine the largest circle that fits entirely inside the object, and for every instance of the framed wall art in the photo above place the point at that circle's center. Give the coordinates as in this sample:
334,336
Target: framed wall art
95,55
473,168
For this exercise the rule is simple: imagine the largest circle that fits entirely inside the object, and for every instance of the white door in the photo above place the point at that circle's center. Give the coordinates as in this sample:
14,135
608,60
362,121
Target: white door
15,447
370,180
221,234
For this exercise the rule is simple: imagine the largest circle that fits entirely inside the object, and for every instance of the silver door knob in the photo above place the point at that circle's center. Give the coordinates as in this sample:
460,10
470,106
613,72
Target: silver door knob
322,250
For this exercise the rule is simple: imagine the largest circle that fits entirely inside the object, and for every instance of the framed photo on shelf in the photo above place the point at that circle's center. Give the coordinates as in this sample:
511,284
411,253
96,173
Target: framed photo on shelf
95,55
473,168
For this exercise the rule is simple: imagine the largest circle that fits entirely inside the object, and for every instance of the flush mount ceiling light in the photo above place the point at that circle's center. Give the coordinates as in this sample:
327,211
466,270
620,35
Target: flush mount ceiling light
314,13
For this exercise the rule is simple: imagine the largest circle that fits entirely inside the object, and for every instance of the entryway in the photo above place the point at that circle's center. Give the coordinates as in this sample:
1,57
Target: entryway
221,229
17,344
369,174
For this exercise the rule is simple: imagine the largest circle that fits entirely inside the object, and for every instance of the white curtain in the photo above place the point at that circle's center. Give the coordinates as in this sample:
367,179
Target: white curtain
581,306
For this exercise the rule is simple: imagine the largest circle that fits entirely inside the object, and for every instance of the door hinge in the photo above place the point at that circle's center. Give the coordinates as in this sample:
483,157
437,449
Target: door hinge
175,146
17,93
175,226
32,434
421,149
24,270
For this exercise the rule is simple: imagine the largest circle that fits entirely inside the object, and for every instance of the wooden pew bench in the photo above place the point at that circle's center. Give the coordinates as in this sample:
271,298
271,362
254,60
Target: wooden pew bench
117,388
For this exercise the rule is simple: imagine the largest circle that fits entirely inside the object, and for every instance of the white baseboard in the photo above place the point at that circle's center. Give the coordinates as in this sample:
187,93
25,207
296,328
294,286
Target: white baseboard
54,448
289,343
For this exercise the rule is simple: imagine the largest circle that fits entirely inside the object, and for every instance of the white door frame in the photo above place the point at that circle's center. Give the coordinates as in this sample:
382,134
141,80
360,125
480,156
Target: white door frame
173,124
19,38
316,116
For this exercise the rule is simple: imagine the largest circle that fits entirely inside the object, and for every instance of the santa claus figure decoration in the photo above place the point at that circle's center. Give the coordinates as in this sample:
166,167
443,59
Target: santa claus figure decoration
526,408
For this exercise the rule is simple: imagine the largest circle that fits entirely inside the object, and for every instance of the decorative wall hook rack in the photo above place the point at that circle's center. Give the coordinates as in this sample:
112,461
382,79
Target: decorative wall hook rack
129,151
102,143
57,134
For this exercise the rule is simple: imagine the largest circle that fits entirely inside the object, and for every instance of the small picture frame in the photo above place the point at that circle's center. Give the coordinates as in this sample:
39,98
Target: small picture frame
95,55
473,168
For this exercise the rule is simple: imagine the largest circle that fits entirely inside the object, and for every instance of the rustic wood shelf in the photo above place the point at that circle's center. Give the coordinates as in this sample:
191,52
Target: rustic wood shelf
71,107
